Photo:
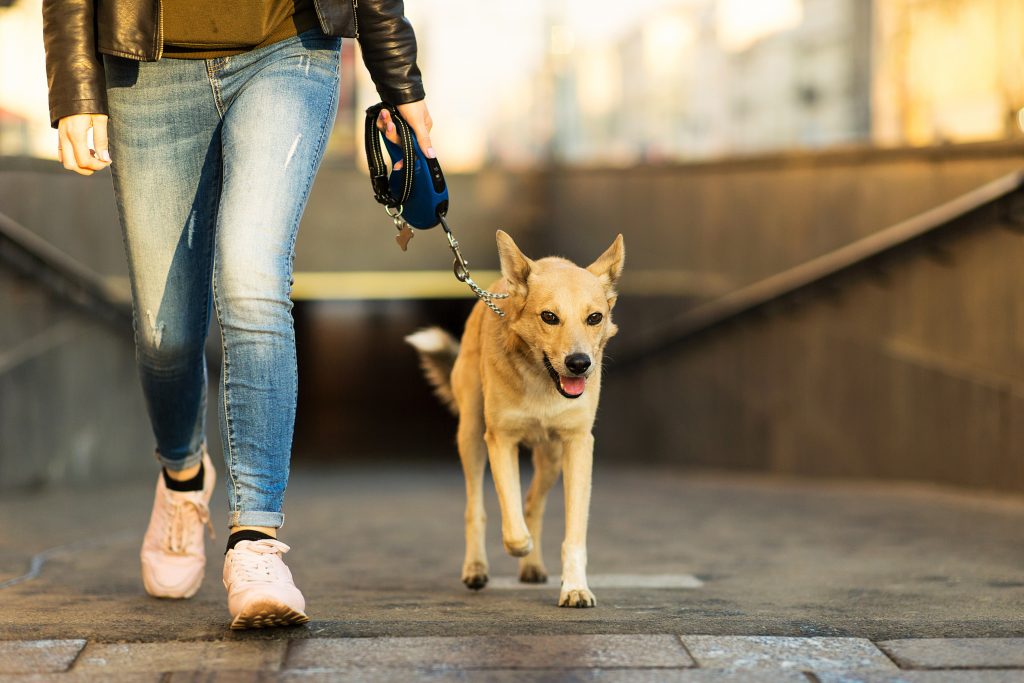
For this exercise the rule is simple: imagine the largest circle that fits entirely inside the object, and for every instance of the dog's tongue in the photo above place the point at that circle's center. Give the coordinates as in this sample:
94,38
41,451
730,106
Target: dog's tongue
573,386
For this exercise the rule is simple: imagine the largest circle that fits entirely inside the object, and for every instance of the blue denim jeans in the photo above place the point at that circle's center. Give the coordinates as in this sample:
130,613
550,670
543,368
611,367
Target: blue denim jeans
213,162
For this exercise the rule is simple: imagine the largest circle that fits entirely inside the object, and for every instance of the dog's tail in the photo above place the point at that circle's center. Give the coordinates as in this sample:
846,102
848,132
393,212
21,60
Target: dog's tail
438,351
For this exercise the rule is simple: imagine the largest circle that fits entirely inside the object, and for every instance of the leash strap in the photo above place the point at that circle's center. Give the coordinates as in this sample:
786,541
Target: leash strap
375,157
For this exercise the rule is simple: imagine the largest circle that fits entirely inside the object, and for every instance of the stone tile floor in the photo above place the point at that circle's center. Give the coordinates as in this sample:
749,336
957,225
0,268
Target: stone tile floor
657,657
699,577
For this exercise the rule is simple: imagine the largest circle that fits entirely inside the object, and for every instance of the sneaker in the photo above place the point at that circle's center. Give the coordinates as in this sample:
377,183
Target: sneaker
173,552
261,592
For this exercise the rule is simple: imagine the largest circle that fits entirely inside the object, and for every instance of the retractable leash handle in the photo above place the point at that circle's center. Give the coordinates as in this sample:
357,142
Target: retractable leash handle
416,194
417,191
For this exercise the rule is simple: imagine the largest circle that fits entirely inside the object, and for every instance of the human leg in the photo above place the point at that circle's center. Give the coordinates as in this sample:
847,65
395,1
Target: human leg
278,104
166,182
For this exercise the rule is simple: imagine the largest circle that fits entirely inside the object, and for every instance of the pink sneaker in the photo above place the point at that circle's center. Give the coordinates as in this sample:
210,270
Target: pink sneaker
173,552
261,592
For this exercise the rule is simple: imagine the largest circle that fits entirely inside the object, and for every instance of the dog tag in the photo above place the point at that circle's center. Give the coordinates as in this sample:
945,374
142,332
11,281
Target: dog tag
404,235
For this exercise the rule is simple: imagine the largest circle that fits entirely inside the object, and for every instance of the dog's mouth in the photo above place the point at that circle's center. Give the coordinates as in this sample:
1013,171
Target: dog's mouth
570,387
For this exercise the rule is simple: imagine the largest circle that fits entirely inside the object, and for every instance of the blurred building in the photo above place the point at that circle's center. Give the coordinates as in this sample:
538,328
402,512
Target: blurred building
521,84
948,71
25,119
688,83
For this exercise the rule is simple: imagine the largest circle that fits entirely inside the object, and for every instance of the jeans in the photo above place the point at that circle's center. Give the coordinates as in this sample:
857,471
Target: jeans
212,165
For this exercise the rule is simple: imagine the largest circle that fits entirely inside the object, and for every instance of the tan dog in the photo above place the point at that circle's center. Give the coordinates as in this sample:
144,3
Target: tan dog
532,378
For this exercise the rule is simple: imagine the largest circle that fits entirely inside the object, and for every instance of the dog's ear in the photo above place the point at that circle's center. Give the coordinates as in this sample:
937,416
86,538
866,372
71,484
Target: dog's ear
515,267
608,267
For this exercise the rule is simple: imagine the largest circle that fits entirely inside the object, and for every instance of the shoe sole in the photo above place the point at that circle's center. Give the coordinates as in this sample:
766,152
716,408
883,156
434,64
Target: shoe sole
267,614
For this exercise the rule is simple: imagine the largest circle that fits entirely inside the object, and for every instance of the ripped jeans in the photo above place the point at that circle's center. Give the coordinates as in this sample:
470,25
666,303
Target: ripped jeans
212,165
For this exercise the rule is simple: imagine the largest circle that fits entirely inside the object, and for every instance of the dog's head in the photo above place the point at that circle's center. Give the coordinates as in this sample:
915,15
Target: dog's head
561,313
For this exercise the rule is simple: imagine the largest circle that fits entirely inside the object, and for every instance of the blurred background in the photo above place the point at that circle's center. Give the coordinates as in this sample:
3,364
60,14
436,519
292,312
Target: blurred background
820,201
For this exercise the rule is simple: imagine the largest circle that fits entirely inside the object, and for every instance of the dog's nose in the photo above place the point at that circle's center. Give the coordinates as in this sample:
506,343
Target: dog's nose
578,363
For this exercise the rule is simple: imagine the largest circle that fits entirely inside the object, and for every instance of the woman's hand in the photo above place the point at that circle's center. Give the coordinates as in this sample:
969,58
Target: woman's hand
73,147
416,114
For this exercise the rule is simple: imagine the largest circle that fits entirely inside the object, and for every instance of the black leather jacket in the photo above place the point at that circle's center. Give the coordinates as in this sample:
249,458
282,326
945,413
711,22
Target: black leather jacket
75,32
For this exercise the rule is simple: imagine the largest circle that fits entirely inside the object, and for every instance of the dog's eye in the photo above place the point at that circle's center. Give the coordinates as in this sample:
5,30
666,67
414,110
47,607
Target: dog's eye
594,318
549,317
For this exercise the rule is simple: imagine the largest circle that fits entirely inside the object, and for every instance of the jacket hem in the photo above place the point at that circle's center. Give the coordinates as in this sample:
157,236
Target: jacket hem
139,57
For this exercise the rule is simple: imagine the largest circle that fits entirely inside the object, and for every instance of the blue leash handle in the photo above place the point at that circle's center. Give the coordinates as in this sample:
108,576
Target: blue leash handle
417,191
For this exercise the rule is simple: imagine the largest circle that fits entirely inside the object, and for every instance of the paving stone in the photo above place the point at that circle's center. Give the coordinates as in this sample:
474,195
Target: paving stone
956,653
737,653
104,658
542,676
222,677
491,652
962,676
83,678
38,656
230,677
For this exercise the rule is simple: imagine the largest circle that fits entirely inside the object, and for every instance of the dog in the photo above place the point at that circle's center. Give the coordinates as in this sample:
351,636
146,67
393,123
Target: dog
533,378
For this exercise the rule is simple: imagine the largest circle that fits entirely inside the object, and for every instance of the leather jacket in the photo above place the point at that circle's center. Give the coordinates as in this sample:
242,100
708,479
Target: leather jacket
76,32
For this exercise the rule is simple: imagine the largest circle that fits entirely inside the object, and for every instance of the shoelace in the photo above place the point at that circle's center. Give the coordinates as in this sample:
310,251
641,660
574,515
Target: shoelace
255,560
182,509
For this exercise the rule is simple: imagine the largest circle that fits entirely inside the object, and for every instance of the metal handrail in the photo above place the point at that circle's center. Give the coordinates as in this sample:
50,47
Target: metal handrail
752,296
61,274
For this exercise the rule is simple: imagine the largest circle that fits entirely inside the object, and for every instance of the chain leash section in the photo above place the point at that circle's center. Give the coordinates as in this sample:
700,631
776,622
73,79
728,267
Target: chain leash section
461,268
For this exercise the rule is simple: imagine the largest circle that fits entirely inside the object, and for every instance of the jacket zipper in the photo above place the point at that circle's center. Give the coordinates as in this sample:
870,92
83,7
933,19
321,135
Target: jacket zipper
160,30
320,17
355,16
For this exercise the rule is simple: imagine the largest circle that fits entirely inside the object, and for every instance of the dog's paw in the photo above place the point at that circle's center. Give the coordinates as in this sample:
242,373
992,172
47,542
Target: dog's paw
475,575
580,597
519,547
533,573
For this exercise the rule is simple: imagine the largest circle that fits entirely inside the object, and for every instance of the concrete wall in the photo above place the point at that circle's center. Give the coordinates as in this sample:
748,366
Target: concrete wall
745,219
911,367
70,404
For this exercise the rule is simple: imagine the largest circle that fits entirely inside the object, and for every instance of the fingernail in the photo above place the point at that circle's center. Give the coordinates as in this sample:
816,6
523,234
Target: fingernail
430,153
105,155
391,127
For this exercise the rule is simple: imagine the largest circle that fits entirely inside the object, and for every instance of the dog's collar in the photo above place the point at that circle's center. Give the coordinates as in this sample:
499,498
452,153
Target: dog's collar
555,378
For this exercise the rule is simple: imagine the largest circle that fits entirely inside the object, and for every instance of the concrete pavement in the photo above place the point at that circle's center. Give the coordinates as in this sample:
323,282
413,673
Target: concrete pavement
698,577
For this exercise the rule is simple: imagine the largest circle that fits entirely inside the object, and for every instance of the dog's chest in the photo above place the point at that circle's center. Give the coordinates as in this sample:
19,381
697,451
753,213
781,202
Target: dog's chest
539,421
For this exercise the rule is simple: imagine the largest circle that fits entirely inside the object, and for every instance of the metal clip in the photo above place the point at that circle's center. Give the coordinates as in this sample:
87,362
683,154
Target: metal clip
460,266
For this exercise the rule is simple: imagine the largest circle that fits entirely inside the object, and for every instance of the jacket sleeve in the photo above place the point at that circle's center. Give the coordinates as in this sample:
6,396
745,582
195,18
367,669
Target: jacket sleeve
389,50
74,72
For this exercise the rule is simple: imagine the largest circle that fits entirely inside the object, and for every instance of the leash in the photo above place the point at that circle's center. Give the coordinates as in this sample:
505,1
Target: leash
415,196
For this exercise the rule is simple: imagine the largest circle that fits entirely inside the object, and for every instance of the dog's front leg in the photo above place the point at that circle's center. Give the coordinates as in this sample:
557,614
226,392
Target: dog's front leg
547,464
504,457
473,453
577,465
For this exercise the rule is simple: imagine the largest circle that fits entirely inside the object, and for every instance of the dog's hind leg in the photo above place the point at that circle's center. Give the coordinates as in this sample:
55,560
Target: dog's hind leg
577,469
473,454
504,458
547,464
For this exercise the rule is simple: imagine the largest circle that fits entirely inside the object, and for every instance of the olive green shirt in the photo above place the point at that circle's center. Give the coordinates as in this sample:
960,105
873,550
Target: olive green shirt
204,29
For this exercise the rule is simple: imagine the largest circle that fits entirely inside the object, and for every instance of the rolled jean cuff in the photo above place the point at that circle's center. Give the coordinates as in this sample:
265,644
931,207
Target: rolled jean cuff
274,520
178,464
